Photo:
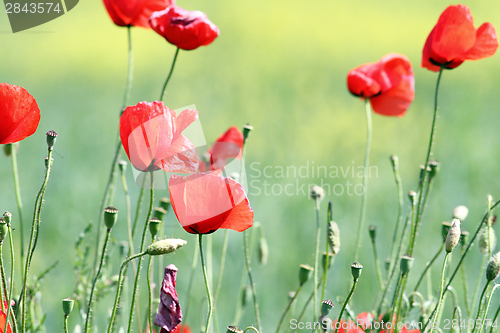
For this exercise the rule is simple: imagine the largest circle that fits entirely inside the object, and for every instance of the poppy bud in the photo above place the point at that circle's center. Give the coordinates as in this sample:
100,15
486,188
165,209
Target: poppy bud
67,305
51,139
327,259
305,273
413,197
246,132
110,216
7,216
372,229
159,213
464,237
445,227
234,329
406,264
356,269
453,236
263,251
395,162
165,246
326,307
4,229
317,193
487,240
165,203
434,168
460,212
122,165
334,237
493,268
154,226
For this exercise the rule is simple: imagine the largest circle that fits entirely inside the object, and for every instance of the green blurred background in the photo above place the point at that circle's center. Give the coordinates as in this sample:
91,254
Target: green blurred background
281,66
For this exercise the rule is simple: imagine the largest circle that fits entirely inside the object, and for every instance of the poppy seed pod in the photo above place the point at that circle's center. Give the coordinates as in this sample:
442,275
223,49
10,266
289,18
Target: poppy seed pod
487,240
246,131
7,216
67,305
154,226
406,264
110,216
234,329
356,269
159,213
122,165
493,268
434,168
334,237
317,193
453,236
305,273
372,230
460,212
165,246
51,139
395,162
165,203
4,229
326,307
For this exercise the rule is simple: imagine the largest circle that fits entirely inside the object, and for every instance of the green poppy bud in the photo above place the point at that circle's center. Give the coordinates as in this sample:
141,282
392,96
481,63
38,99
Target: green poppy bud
110,216
246,132
356,269
305,273
51,139
165,246
406,264
154,226
326,307
165,203
67,305
493,268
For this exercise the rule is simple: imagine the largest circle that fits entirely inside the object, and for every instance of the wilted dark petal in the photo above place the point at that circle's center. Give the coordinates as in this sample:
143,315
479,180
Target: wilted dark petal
169,311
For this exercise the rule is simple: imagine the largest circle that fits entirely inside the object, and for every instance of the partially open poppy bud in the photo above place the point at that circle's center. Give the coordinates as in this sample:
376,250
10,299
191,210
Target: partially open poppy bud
460,212
165,246
395,162
445,227
165,203
356,269
234,329
464,237
487,240
327,259
493,268
122,165
406,264
154,226
159,213
51,139
372,230
67,305
453,236
334,237
434,168
326,307
263,251
305,273
412,195
246,132
110,216
317,193
7,216
4,229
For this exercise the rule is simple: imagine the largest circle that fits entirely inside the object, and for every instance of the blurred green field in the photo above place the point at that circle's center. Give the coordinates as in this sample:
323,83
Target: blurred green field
281,66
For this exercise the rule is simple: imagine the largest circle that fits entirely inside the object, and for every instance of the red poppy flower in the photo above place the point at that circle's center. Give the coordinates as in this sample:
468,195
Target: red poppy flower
169,311
181,328
19,114
346,327
388,83
454,40
206,201
185,29
151,136
228,145
134,12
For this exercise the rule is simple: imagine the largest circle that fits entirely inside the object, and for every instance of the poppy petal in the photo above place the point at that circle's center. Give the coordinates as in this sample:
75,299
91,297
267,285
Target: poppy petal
184,119
486,43
181,157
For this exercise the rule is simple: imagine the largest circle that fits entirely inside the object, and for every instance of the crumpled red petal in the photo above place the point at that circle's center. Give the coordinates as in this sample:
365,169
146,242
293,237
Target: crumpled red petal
169,311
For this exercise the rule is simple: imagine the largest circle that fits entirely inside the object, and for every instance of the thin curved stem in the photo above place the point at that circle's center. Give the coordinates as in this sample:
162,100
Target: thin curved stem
207,285
2,277
94,281
251,328
345,303
478,283
150,295
480,306
129,214
441,294
138,208
136,283
316,254
222,265
289,305
488,301
10,312
164,89
377,265
250,278
365,178
399,219
19,201
327,251
428,266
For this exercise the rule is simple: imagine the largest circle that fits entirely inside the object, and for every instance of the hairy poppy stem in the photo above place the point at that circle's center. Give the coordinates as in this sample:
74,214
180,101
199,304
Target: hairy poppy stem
10,312
427,267
164,89
435,324
480,305
17,188
207,285
316,254
420,205
136,283
129,214
289,305
34,231
345,303
488,301
326,263
150,292
130,69
66,324
399,186
365,178
190,285
94,281
250,278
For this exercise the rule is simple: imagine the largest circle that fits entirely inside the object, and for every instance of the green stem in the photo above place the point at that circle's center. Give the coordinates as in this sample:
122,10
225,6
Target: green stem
207,285
426,165
478,284
307,304
466,289
96,277
31,248
222,264
138,208
136,282
119,288
150,294
428,266
164,89
17,188
289,305
365,178
480,306
377,265
441,293
129,214
399,219
345,303
130,69
65,324
190,284
250,278
316,254
2,277
495,318
10,312
488,301
251,328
